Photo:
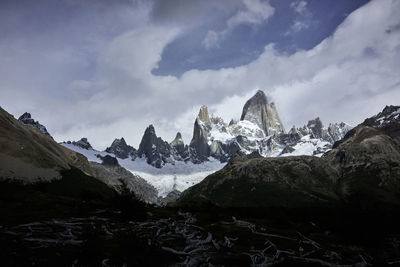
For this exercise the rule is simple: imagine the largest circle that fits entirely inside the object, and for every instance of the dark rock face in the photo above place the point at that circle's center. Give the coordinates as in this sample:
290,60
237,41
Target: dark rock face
120,149
177,143
363,171
199,143
258,110
181,152
156,150
26,118
108,160
387,120
83,143
316,127
369,162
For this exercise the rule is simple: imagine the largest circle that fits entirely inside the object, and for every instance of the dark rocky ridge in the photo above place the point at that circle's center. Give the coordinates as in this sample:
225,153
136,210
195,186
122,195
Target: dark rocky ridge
26,118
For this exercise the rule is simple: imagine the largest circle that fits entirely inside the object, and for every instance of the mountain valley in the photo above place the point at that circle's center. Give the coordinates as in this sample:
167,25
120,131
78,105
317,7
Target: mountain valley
243,193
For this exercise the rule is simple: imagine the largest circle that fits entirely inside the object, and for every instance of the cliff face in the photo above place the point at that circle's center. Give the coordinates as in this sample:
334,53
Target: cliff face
156,151
259,111
201,129
180,150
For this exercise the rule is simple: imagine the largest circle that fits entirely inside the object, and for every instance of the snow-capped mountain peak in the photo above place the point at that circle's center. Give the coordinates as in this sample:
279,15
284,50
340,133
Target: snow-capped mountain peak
260,131
259,111
383,119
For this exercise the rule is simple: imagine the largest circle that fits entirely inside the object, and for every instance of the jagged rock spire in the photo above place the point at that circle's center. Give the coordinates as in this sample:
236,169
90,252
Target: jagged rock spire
156,150
178,140
199,142
179,145
121,149
259,111
203,114
83,143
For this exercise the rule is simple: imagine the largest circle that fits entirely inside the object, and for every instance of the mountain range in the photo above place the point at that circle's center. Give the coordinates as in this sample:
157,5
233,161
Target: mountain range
258,130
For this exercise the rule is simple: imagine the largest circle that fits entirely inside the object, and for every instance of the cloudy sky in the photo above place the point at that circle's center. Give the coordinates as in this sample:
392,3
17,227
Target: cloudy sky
105,69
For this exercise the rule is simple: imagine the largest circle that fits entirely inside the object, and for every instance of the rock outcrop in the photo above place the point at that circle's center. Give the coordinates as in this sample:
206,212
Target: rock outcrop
26,118
120,149
108,160
259,111
181,151
156,151
201,129
83,143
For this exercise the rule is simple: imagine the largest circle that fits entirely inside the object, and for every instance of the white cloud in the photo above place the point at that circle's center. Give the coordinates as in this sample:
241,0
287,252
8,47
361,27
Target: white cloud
254,12
299,25
303,18
300,7
212,40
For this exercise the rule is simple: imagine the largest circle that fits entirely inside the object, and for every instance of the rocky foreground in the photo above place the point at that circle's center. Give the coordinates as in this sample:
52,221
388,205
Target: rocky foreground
148,236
